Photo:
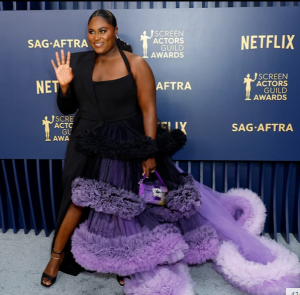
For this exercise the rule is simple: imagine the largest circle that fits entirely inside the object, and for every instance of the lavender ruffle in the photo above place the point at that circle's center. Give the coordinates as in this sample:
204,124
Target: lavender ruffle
171,280
128,255
247,208
239,208
106,198
182,202
255,277
203,243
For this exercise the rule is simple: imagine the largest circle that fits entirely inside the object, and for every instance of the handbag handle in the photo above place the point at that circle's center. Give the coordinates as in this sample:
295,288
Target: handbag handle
158,176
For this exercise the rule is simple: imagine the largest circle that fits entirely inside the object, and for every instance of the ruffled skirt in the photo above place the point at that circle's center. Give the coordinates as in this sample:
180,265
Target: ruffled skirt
153,244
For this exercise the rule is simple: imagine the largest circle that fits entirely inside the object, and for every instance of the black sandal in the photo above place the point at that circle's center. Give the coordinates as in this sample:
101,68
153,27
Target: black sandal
44,275
120,278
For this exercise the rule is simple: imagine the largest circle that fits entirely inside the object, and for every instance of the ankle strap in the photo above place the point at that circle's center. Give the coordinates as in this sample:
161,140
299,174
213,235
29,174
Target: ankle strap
56,252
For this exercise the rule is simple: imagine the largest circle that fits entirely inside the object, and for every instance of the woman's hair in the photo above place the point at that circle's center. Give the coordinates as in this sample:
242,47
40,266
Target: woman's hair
110,19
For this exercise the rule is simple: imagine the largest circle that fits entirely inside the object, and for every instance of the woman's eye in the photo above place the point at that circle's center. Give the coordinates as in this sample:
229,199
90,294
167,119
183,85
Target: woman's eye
102,31
91,32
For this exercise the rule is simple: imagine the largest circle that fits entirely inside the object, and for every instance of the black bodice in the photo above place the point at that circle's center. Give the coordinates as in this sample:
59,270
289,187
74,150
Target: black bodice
117,99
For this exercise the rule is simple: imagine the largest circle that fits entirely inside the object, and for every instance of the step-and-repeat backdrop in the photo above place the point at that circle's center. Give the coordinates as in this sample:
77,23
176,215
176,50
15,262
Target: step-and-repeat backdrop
228,78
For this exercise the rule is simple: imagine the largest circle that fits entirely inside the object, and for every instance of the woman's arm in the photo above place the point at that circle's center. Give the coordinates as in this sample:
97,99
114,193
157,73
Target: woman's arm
66,99
67,103
146,93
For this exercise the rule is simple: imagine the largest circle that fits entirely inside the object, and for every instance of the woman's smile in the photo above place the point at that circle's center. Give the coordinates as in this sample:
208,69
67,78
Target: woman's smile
98,44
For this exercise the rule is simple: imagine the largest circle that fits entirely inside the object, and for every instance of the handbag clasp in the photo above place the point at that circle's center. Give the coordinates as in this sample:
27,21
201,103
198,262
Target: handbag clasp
157,193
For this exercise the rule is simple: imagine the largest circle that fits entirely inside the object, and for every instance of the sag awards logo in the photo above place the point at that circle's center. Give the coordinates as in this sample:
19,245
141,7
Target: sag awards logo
164,44
268,86
47,123
62,128
145,39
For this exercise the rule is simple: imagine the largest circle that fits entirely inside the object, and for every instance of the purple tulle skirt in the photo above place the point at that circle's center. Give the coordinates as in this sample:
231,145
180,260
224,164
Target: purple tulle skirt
154,244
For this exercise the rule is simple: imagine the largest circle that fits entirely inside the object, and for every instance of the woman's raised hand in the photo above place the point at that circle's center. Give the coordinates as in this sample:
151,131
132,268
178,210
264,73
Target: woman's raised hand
64,73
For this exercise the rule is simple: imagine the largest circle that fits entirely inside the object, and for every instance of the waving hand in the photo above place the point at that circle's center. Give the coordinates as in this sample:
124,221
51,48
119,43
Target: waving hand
63,71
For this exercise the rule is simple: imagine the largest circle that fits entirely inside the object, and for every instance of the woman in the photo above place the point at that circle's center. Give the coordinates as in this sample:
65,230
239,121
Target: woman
115,141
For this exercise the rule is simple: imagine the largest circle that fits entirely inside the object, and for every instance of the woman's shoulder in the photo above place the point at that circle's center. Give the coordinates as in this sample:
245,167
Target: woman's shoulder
77,57
133,58
80,54
136,61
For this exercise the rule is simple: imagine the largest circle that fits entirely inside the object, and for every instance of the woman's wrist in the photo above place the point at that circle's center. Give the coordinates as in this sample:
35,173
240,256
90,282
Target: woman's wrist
64,88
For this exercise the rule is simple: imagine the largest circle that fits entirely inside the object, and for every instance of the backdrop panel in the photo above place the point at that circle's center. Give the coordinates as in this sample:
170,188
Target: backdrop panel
228,78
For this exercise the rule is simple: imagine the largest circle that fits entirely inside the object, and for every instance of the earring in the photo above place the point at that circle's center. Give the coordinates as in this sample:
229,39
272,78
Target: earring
117,37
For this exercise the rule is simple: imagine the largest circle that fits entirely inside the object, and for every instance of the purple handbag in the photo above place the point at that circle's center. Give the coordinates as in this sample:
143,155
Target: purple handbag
152,193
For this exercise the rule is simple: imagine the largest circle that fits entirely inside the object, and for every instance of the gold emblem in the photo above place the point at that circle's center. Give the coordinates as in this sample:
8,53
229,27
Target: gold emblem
47,127
248,82
145,38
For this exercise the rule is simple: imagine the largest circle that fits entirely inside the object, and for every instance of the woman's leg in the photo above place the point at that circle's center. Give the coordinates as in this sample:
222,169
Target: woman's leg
68,225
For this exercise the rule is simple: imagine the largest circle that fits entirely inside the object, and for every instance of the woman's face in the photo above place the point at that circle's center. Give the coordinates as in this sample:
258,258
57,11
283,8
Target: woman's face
101,35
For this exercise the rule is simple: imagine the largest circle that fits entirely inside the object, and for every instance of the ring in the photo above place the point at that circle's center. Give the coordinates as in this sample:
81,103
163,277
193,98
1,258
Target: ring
153,171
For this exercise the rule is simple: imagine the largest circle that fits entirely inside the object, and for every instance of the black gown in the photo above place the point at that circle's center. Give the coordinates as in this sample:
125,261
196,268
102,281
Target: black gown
122,233
109,102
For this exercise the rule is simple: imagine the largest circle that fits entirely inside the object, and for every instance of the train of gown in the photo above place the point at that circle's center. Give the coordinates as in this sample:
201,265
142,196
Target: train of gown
253,263
158,256
155,244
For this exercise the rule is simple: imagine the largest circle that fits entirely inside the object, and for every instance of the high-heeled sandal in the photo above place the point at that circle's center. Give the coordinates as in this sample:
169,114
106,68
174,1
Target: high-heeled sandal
44,275
120,278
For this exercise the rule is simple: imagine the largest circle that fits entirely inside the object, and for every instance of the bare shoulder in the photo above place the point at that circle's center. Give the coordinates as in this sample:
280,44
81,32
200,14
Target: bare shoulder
137,63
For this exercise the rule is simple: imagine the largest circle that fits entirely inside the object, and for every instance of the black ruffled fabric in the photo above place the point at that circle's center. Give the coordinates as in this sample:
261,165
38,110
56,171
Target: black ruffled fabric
140,148
131,145
170,142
